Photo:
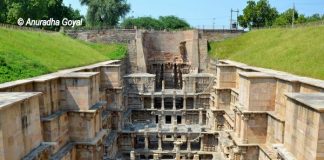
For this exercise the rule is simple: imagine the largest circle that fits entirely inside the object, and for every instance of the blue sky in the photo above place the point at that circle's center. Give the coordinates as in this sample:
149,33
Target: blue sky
205,12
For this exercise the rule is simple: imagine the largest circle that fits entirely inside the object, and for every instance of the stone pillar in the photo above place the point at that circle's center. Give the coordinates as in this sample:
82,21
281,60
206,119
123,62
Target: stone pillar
245,127
133,141
200,116
184,120
163,85
188,143
195,102
235,120
132,155
196,157
142,99
238,132
177,149
216,122
162,102
119,122
174,100
159,142
146,141
159,125
156,157
184,100
152,100
237,123
174,119
194,87
202,143
242,155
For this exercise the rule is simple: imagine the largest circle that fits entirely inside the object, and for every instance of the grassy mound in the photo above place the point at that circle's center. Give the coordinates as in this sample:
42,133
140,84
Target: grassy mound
299,51
25,54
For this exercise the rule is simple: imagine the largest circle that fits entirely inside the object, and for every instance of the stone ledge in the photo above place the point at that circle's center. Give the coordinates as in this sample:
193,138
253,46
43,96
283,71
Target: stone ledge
312,100
10,98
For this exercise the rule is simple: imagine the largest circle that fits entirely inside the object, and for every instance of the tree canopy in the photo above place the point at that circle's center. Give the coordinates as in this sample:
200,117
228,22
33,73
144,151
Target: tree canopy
286,18
12,10
164,22
258,14
105,12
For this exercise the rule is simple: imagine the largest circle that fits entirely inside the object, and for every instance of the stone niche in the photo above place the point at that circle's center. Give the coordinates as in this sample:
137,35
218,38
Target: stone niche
20,127
257,91
304,126
79,90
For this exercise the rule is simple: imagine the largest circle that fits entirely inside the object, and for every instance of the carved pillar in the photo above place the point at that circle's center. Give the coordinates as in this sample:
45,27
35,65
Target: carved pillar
184,120
174,119
174,100
202,143
200,116
238,132
159,125
156,157
243,154
188,143
133,136
177,149
152,100
216,122
196,157
132,155
142,100
184,100
195,102
163,85
184,86
146,141
162,102
245,128
235,120
159,142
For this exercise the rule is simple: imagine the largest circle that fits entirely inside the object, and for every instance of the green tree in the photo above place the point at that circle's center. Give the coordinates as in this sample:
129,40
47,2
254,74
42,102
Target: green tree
3,11
142,22
259,14
105,12
314,17
173,22
164,22
301,19
286,18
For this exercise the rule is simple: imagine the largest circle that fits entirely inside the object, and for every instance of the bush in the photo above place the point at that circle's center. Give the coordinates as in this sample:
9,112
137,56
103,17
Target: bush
164,22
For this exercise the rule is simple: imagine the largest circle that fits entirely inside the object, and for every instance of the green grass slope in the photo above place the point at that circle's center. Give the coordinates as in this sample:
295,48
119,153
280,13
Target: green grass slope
25,54
299,51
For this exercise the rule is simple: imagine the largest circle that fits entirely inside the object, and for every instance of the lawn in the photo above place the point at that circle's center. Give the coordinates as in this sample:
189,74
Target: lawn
25,54
299,51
